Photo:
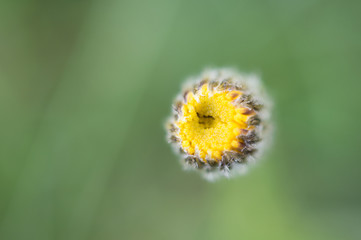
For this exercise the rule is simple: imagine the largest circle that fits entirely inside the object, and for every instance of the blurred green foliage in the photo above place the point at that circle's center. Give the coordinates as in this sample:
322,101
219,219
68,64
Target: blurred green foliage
85,87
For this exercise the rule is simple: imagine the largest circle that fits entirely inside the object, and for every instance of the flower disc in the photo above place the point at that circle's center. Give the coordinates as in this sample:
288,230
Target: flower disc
219,121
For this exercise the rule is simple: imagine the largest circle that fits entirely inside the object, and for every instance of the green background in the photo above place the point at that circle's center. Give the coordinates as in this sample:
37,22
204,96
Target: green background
85,87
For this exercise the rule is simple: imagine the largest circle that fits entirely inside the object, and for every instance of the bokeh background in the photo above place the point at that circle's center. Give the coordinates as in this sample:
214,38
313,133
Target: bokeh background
85,87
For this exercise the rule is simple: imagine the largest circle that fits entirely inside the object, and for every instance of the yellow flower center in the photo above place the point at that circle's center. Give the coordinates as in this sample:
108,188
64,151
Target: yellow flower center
211,123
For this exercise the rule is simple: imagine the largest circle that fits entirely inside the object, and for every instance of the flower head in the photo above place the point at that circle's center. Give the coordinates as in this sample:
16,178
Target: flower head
219,122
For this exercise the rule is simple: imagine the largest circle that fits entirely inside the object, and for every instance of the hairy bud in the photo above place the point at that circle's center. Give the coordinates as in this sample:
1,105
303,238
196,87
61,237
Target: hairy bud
220,122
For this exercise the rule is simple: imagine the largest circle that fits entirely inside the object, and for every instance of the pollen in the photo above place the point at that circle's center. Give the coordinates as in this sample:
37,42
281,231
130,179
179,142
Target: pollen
219,121
211,123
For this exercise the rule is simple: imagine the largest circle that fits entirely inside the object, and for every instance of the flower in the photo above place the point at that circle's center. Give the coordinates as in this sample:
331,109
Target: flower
219,122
